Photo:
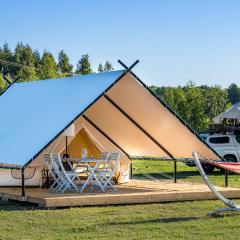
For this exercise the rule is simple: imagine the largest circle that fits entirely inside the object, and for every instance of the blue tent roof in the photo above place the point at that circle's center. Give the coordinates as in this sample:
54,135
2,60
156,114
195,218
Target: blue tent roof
33,113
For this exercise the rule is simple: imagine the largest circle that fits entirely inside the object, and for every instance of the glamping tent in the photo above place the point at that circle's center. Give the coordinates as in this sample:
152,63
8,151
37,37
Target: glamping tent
112,111
232,114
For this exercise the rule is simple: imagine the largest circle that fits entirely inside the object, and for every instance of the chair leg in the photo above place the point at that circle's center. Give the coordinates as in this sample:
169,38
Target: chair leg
108,182
85,184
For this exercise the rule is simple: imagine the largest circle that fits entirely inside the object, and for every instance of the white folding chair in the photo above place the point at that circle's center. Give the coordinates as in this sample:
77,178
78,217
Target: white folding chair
71,175
52,173
104,160
66,178
106,175
60,179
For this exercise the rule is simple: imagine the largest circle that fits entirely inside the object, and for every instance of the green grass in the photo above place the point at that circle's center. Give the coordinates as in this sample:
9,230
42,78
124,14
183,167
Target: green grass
184,173
181,220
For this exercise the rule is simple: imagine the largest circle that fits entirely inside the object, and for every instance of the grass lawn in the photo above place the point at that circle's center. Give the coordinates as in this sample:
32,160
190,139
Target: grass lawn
184,173
182,220
186,220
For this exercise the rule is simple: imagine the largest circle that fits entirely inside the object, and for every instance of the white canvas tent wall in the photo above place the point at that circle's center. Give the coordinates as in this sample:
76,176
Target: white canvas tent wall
231,113
116,108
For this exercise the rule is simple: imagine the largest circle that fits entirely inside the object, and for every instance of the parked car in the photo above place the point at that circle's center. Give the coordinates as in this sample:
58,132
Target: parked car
226,145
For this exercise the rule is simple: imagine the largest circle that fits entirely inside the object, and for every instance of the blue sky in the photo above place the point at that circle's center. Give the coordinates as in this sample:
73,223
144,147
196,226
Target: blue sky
174,40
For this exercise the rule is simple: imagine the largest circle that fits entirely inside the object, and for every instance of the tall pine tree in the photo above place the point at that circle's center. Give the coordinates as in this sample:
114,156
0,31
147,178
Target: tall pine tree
64,66
100,68
84,65
24,55
6,54
48,66
37,63
108,67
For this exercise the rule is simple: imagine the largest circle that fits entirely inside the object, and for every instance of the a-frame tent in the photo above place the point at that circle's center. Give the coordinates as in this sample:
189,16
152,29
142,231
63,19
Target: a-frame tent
116,109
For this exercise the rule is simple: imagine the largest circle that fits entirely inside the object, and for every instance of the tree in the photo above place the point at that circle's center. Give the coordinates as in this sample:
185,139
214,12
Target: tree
195,108
6,54
216,101
64,66
84,65
234,93
100,68
108,67
168,95
195,105
48,66
3,84
187,102
37,63
23,54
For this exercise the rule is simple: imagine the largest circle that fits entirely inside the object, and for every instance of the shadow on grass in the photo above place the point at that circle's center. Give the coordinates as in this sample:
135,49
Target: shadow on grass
159,220
12,205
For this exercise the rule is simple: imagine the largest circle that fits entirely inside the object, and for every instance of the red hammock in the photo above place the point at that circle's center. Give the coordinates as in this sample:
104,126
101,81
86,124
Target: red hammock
230,166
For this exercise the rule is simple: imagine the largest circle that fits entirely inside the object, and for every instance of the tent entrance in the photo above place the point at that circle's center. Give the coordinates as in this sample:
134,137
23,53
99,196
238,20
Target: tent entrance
82,141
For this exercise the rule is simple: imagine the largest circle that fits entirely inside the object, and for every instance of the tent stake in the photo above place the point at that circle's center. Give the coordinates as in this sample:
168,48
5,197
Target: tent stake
23,182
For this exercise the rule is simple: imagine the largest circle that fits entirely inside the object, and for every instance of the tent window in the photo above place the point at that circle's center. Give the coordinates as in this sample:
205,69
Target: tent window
219,140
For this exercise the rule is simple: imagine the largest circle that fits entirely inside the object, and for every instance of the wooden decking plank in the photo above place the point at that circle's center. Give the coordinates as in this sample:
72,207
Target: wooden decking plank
136,191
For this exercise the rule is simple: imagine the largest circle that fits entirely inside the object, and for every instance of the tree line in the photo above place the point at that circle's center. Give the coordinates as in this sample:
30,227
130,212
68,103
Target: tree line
42,66
197,105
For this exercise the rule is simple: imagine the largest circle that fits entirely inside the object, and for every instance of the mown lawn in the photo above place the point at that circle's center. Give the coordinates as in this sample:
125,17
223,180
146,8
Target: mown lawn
186,220
182,220
157,169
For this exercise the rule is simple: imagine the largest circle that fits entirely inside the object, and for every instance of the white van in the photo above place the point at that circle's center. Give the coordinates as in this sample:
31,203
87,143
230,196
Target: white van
226,145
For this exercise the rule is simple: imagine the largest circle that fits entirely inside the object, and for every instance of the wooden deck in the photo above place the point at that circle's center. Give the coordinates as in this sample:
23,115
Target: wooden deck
136,191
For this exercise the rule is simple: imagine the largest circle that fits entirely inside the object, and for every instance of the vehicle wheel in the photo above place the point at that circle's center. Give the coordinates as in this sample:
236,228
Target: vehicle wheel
230,159
208,168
